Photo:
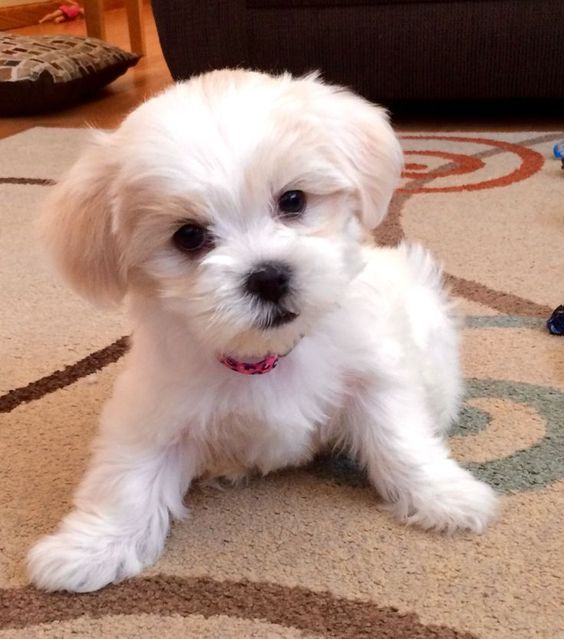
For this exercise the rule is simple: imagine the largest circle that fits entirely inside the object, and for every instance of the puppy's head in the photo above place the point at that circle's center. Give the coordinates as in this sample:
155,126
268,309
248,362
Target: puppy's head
237,201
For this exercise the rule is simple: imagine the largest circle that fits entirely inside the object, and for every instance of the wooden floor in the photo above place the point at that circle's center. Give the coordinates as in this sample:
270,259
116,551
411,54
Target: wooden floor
151,75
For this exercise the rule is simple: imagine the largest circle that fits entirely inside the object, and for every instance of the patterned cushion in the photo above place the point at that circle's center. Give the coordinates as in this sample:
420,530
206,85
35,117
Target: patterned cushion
42,73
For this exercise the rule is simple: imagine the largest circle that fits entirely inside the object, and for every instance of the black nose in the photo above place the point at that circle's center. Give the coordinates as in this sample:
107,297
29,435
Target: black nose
269,281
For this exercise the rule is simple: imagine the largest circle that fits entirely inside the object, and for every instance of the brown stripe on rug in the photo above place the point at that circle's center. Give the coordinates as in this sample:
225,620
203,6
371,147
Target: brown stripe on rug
503,302
316,612
61,378
27,181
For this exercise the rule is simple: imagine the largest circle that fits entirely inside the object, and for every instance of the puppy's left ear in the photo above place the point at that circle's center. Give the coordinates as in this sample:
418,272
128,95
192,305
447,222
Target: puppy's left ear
371,152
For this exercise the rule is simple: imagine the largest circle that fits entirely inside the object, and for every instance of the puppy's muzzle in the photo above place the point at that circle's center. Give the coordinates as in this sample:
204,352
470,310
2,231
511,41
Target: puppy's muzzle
271,283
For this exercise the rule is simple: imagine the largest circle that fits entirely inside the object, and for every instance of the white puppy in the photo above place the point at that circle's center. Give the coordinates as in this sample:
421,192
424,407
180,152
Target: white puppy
232,212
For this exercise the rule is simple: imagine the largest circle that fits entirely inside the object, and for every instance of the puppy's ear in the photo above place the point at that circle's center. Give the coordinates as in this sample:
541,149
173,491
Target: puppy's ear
76,226
372,154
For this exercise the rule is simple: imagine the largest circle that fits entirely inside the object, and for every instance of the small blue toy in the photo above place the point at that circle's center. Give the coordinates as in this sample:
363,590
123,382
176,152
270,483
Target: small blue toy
555,323
558,151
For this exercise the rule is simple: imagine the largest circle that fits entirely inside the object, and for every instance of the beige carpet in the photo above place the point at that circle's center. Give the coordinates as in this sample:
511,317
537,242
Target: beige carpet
308,553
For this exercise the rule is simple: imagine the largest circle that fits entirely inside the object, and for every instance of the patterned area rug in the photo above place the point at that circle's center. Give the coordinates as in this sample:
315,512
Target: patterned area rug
308,553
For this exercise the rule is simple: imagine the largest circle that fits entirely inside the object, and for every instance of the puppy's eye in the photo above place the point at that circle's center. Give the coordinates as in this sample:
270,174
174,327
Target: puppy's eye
292,203
191,238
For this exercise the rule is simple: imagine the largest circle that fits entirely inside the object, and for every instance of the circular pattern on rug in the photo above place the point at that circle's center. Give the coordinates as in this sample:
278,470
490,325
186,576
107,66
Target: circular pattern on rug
512,426
459,164
525,469
538,465
530,162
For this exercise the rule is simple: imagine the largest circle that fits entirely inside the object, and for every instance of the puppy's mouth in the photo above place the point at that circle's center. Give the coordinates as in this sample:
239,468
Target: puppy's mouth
277,317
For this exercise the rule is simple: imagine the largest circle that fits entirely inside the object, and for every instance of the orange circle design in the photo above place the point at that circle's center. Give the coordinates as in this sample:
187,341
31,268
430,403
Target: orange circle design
531,163
462,164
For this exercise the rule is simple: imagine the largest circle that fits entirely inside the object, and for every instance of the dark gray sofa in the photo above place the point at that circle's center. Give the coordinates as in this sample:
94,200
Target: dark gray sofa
386,49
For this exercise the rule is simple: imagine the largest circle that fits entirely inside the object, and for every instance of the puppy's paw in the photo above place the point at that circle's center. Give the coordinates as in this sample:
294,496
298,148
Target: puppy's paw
65,562
88,558
463,503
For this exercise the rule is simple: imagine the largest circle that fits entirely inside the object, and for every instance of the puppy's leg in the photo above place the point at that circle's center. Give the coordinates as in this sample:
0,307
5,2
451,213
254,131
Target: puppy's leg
122,508
408,462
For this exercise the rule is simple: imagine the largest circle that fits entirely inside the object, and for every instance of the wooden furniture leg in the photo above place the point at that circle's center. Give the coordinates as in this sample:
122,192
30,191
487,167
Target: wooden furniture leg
96,28
94,16
134,10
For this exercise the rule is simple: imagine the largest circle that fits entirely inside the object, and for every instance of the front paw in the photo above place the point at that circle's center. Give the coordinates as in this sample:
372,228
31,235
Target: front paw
458,503
88,557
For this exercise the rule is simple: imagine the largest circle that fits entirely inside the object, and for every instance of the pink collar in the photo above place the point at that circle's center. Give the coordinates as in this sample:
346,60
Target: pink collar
251,368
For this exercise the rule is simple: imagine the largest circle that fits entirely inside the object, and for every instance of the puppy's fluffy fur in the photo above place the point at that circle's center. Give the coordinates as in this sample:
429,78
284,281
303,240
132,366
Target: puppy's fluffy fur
372,356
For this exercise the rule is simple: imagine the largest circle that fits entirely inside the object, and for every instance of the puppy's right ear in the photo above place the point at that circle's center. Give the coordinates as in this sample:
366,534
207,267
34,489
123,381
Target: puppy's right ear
77,226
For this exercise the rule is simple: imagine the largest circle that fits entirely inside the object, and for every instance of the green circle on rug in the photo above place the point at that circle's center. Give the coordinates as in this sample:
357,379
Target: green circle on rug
541,463
526,469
